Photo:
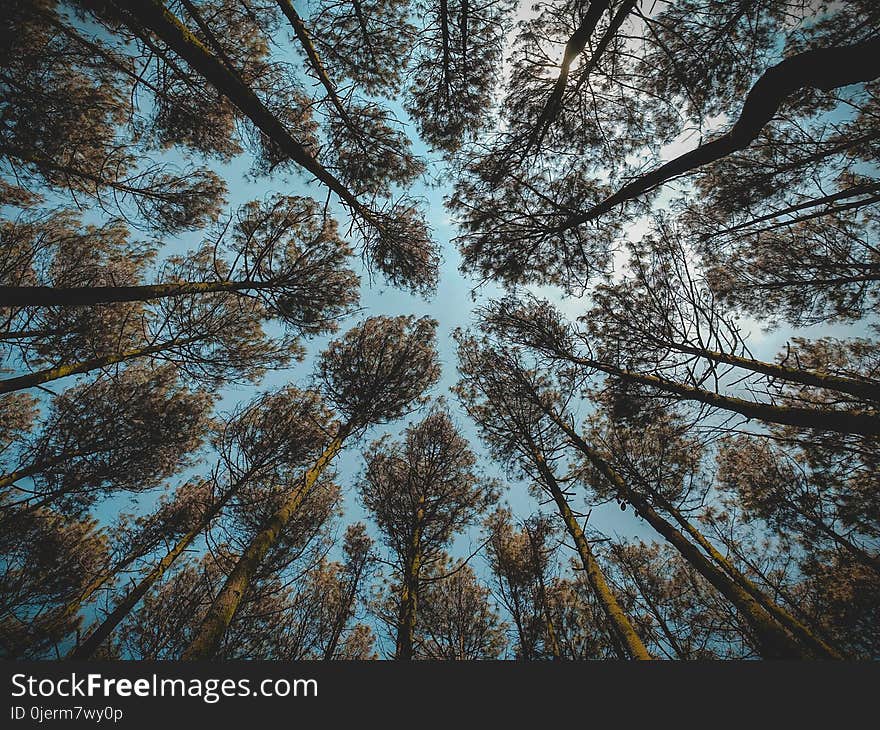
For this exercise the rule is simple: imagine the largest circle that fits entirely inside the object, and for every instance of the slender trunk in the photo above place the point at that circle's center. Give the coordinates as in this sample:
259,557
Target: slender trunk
773,641
305,40
833,281
225,605
866,423
617,21
525,645
444,40
50,296
573,48
154,16
27,334
99,634
63,371
542,598
814,202
409,597
656,613
94,585
345,612
821,68
365,33
33,469
209,35
870,561
859,388
834,210
798,629
620,622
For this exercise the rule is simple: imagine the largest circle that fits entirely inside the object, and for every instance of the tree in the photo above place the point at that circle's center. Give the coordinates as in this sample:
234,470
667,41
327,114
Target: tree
283,251
537,325
520,564
596,92
421,491
376,372
499,396
265,442
666,212
760,611
157,633
458,623
65,100
291,267
124,434
396,239
455,68
47,559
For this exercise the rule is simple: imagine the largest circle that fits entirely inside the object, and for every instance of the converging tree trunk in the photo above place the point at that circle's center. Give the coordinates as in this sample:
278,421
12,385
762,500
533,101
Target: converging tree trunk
49,296
820,68
409,593
225,605
620,623
100,633
32,380
773,640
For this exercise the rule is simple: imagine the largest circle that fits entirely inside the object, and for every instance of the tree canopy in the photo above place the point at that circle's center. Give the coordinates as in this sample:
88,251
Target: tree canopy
439,329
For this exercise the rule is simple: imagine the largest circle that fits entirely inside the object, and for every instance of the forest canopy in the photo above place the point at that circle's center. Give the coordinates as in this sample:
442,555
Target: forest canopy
439,329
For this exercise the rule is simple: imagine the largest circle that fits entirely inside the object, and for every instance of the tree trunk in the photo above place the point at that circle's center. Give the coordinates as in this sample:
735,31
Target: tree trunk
820,68
345,613
100,633
797,628
866,423
225,605
774,642
620,622
63,371
154,16
50,296
542,597
573,48
409,597
859,388
305,40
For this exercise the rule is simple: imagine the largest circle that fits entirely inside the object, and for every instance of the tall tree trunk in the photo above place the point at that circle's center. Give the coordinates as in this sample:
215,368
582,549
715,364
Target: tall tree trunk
542,598
155,17
63,371
797,628
820,68
225,605
28,334
51,296
345,613
860,388
573,48
35,468
865,423
620,622
100,633
849,192
773,640
305,40
409,596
